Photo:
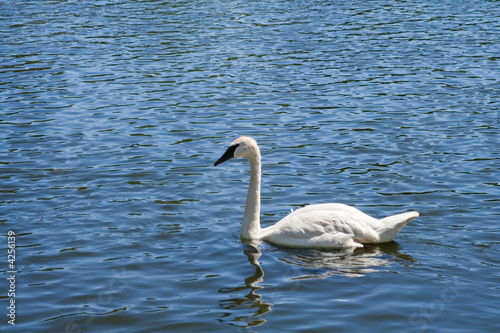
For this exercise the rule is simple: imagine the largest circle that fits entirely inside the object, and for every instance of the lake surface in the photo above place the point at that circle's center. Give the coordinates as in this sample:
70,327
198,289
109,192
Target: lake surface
113,113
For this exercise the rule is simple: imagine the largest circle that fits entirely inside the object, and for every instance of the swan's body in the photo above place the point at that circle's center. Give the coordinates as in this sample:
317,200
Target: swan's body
330,225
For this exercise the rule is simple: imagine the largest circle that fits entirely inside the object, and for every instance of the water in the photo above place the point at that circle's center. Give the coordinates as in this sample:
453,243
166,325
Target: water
114,112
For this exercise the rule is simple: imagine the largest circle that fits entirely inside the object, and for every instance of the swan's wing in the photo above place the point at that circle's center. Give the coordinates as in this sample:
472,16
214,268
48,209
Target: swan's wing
307,227
338,207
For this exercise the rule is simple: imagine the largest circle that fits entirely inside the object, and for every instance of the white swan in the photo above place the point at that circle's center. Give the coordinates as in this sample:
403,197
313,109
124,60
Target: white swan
330,225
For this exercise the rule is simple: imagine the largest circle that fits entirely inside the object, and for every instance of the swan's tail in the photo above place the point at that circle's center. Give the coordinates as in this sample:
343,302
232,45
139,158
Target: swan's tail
393,224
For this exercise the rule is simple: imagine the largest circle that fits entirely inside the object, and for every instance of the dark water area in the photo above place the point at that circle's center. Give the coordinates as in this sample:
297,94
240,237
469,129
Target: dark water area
113,113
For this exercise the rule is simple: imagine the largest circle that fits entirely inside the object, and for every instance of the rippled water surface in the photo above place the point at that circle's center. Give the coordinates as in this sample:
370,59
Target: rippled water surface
113,113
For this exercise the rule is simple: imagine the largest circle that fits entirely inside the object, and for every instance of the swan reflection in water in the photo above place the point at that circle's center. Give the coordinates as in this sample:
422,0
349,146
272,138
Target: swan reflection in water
247,311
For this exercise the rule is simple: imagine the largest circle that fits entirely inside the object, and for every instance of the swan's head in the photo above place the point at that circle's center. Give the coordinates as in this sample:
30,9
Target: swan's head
244,146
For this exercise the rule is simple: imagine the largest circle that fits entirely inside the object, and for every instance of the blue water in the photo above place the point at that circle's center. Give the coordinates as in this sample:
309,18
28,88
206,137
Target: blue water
113,113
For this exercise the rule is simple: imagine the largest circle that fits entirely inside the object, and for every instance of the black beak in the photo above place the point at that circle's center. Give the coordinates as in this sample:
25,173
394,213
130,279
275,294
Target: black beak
229,154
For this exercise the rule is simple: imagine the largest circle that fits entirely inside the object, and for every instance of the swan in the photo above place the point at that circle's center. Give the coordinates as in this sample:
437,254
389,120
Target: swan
328,225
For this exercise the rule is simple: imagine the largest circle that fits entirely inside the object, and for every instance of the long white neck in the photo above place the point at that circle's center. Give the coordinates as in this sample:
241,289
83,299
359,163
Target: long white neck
250,229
